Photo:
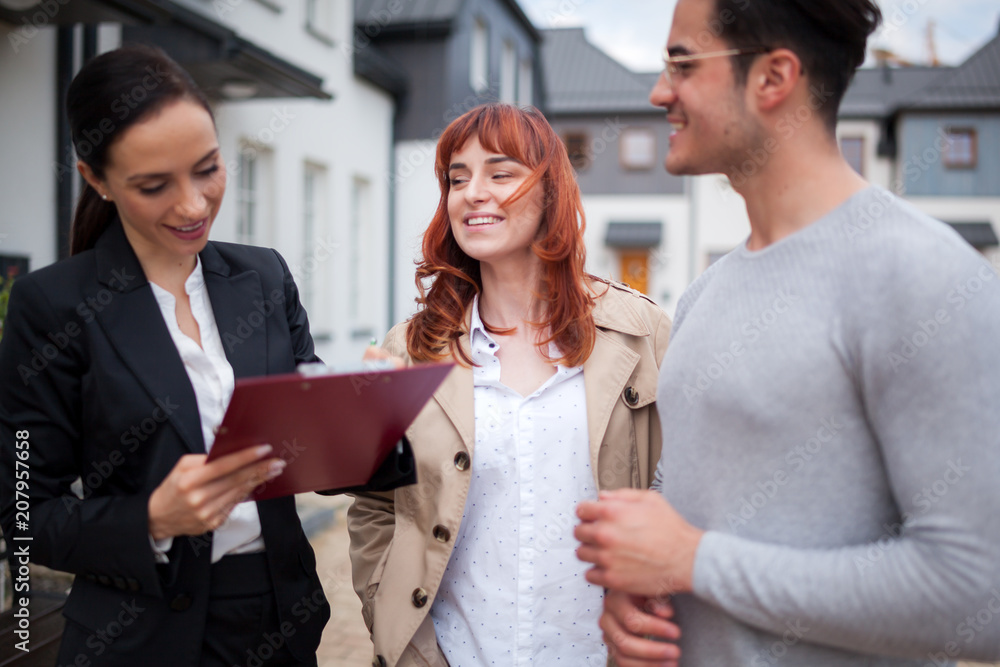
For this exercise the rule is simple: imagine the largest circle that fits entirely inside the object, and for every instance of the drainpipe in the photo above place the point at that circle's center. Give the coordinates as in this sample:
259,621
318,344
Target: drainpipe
65,48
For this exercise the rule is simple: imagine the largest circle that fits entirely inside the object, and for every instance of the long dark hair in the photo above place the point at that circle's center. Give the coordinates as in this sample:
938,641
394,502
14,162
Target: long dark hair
108,95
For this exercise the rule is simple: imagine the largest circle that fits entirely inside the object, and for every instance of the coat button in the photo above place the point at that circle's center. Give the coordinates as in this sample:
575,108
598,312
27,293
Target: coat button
104,579
631,396
419,598
181,603
441,534
462,461
378,661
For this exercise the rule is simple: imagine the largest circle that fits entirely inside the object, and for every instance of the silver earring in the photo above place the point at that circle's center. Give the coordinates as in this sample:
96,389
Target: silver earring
104,197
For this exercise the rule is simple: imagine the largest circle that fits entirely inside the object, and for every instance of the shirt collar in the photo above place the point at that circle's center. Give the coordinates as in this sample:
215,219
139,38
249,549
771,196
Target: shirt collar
480,340
196,281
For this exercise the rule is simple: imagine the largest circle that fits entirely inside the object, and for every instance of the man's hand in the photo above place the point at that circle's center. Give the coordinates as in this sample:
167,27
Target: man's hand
637,542
628,621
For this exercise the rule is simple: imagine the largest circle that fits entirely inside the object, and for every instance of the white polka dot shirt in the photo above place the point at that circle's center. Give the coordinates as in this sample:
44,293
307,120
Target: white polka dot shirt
513,592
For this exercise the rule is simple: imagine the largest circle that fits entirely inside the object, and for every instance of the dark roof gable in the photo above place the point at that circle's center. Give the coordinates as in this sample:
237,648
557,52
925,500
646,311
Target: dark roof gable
398,15
581,78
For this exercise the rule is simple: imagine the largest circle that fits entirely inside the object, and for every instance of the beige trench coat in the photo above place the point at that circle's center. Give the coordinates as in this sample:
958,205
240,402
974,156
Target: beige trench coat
401,541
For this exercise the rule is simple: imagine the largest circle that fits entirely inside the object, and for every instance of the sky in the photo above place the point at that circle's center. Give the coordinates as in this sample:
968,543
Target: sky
635,31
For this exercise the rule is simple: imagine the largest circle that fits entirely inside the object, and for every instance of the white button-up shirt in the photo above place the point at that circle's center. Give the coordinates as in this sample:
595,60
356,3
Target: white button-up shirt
212,379
514,592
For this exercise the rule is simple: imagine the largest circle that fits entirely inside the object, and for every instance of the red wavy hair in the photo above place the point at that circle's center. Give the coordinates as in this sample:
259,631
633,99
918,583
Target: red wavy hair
454,277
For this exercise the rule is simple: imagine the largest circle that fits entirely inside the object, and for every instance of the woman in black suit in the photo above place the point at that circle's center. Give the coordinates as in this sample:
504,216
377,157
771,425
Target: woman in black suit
117,364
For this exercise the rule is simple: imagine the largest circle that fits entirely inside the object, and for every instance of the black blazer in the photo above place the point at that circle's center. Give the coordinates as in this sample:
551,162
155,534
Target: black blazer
91,380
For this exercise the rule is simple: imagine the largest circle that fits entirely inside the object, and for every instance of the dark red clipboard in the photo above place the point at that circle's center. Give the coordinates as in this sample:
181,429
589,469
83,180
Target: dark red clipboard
333,430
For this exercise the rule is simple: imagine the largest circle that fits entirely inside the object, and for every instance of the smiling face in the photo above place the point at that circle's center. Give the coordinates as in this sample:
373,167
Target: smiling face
711,126
486,227
166,177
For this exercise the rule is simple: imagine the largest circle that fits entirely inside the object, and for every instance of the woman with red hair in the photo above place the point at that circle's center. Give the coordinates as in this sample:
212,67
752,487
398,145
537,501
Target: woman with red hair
552,398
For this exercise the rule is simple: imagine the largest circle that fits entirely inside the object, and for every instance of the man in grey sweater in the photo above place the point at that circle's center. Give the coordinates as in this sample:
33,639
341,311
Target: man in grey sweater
829,488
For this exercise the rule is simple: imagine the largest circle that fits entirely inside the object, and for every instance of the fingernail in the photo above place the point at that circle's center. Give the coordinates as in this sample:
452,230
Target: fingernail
276,469
263,450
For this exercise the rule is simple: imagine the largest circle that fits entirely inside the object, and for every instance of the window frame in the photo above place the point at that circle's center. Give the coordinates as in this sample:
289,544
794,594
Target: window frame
637,131
947,159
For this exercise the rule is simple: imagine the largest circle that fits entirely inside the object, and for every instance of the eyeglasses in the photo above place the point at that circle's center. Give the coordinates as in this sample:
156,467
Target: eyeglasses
676,66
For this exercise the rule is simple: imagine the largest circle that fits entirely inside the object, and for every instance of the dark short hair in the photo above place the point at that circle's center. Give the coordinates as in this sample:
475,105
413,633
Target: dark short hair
828,36
110,94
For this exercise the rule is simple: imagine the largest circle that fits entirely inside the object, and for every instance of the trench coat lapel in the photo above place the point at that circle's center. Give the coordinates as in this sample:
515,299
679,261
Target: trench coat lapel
456,398
133,323
242,325
609,366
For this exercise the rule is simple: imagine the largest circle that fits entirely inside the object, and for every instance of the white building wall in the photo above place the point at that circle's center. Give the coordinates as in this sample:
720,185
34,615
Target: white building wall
417,197
961,209
667,263
345,140
720,216
29,168
877,170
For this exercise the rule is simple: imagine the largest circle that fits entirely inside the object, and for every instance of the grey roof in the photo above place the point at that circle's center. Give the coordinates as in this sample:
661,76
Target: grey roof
977,234
975,84
581,78
389,12
634,234
878,92
395,14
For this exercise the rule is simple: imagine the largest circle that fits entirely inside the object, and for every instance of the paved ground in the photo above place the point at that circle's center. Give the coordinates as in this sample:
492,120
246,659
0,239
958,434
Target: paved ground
345,640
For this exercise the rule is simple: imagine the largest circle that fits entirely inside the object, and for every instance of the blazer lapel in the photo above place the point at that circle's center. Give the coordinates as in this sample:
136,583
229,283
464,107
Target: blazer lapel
242,325
133,323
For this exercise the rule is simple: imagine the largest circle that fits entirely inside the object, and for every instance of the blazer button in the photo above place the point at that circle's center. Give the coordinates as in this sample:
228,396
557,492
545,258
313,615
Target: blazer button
133,584
378,661
181,603
631,396
104,579
419,598
462,461
441,534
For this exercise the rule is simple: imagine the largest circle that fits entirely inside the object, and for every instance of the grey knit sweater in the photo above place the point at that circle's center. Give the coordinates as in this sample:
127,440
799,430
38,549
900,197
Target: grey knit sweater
831,415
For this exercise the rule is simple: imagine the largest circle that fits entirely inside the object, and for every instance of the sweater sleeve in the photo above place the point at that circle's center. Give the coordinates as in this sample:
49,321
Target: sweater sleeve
926,365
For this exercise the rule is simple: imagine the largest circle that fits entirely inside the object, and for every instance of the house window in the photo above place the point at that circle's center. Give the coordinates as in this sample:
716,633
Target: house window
319,19
314,178
508,73
960,153
577,147
853,150
525,83
637,149
247,197
479,63
361,259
